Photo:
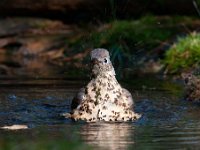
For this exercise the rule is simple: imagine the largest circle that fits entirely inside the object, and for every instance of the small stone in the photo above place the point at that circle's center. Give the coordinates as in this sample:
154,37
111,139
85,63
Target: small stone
15,127
192,87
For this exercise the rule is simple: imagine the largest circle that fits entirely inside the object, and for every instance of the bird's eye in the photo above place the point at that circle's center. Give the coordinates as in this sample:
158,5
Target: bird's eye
105,60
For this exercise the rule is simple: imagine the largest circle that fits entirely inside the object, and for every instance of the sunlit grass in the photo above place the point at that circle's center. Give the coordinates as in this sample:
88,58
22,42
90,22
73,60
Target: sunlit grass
185,54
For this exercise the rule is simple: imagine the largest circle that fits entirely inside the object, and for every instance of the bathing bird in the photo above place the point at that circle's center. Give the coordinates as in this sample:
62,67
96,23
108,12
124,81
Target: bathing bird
103,98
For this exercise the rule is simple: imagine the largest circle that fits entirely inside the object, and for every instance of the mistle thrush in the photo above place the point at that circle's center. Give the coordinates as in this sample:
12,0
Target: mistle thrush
103,99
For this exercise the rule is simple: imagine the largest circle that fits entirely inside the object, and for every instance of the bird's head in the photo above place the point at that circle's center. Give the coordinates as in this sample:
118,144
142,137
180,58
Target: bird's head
100,62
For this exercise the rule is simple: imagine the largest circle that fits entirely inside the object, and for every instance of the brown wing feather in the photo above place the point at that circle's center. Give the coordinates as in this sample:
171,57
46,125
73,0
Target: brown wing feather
129,97
78,98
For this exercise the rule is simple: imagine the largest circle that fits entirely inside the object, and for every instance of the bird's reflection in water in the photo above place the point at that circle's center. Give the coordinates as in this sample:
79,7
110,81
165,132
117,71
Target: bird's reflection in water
110,136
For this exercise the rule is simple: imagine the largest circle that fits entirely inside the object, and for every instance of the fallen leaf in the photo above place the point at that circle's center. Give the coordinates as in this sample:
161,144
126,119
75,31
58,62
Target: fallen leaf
15,127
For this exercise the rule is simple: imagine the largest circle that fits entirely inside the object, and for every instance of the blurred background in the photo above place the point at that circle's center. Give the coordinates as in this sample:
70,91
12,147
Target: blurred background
52,38
44,56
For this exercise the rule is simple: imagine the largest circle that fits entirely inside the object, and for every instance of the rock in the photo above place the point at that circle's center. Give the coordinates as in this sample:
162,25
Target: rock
15,127
192,87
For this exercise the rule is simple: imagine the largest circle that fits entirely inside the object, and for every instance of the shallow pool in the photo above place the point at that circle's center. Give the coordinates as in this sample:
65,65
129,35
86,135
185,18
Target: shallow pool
168,122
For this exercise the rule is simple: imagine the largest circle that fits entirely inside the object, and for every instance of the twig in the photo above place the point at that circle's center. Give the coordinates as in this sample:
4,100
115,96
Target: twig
196,7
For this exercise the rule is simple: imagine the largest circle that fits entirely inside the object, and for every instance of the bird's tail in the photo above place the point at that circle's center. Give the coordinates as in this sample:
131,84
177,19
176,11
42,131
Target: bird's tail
67,115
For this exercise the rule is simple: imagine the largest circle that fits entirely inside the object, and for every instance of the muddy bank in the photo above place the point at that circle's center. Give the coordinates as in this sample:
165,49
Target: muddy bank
36,47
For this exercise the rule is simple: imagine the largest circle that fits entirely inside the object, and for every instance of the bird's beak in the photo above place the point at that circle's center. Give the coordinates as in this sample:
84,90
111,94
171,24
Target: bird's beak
94,61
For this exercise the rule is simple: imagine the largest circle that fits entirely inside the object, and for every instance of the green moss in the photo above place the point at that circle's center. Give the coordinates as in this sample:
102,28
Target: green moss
148,32
132,42
124,39
184,54
131,35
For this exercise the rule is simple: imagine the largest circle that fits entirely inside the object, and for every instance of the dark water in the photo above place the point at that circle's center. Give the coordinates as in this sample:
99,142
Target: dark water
167,122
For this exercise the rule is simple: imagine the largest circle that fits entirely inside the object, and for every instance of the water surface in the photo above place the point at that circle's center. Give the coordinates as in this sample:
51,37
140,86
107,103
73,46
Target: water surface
168,122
